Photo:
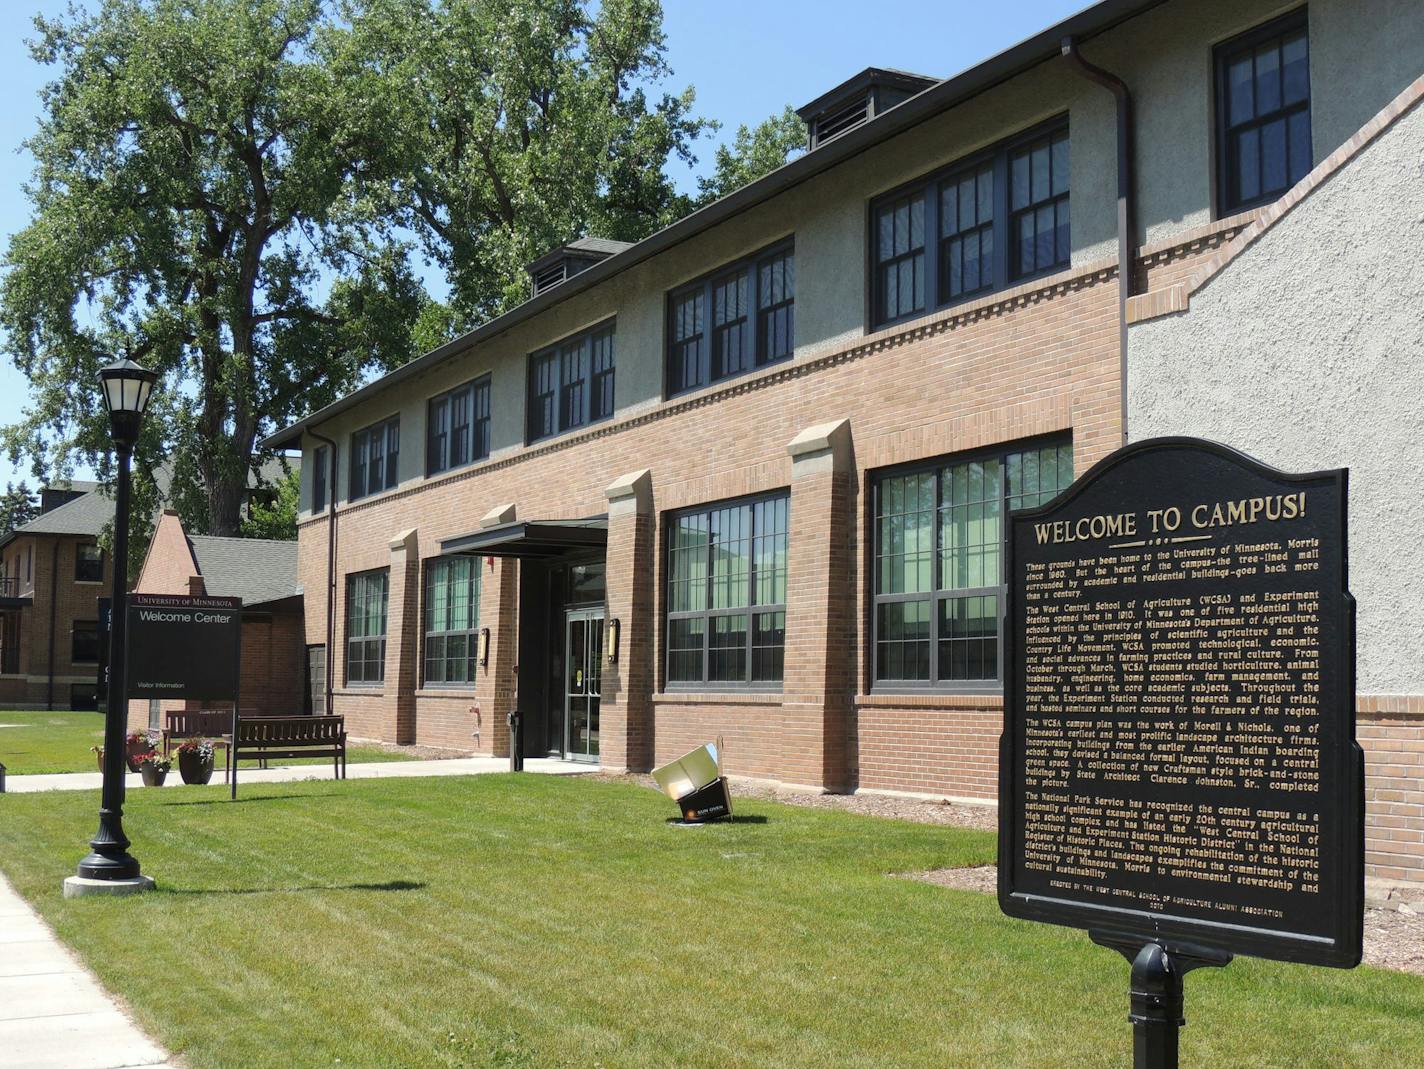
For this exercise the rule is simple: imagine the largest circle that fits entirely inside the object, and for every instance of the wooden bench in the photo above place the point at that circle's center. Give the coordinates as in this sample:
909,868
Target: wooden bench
213,724
266,737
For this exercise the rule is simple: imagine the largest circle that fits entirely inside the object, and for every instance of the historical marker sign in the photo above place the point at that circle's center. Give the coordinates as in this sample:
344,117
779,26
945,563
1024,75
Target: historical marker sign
1179,760
183,647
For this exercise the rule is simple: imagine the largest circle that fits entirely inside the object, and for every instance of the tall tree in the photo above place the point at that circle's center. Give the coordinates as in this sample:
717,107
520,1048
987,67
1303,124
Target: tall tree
516,125
193,193
754,151
18,506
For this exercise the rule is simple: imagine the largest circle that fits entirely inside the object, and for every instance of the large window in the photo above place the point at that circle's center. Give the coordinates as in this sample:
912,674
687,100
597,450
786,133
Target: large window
939,582
88,563
979,225
726,568
458,427
84,642
375,454
367,594
452,618
738,318
571,384
1263,113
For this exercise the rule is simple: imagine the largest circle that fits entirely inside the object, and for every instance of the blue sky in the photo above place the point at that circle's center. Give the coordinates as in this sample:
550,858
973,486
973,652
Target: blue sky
747,59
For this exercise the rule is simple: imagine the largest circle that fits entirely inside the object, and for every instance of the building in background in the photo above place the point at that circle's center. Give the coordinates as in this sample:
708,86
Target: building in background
747,477
272,678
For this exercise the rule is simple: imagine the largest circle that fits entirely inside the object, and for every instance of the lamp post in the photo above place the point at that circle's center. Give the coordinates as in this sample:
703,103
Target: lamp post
109,867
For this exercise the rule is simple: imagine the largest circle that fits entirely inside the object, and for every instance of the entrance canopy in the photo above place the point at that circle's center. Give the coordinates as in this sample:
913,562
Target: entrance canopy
531,539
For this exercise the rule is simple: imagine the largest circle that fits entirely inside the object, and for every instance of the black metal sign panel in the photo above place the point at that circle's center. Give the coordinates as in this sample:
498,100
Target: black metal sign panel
1178,761
183,647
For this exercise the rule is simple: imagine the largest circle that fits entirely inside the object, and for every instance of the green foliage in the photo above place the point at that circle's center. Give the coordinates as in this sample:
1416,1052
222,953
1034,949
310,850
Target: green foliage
754,152
274,515
18,507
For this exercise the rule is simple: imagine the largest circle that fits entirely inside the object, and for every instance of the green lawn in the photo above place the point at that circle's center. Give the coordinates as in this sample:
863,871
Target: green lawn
528,921
60,742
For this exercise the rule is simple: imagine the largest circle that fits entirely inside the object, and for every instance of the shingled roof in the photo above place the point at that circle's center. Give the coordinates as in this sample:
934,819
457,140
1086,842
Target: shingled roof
257,570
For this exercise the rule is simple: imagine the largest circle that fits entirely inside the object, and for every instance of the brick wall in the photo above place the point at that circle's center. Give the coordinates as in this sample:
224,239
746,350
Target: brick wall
1391,732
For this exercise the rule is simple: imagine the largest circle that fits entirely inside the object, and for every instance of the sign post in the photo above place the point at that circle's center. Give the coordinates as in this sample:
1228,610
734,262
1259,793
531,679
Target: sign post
1179,773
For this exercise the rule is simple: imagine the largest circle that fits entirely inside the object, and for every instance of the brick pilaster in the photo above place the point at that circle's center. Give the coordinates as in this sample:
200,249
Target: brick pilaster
820,661
499,607
626,717
403,634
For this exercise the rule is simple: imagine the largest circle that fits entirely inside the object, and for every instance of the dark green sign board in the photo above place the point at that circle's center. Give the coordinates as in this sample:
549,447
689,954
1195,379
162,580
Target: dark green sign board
184,647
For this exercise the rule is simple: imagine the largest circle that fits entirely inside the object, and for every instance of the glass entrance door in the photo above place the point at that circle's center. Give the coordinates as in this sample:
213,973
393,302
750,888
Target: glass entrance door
583,676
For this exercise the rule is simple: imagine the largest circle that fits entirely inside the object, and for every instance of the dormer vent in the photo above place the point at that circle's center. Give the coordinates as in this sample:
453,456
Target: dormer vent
568,260
858,100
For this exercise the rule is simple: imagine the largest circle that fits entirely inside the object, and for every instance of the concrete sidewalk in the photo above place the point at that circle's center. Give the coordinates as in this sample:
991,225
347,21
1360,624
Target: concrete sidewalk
53,1013
458,766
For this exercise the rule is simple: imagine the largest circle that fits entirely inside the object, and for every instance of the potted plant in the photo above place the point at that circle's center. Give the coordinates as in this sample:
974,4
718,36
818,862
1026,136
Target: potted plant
195,761
136,745
154,768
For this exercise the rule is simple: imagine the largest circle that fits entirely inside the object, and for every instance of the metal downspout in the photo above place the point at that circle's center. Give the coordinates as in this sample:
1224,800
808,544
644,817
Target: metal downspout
1126,201
330,571
53,621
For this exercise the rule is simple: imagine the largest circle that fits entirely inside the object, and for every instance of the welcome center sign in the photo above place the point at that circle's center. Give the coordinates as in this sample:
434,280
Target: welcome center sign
183,647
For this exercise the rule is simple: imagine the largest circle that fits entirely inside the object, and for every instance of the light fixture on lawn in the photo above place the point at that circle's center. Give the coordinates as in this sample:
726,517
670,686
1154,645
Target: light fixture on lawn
127,389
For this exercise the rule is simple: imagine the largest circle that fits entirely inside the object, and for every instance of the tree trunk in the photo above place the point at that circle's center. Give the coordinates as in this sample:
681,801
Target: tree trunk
225,495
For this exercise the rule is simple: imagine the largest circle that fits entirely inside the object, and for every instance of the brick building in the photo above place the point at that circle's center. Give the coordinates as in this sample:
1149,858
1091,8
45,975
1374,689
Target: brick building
263,573
747,477
52,577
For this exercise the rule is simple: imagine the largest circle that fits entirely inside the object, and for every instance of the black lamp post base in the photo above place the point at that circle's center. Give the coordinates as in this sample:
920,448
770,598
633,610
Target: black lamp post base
80,886
118,865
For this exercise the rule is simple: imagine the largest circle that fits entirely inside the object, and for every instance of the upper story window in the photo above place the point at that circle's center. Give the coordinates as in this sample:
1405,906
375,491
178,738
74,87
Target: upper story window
974,227
457,427
375,453
88,563
1263,113
939,585
740,317
319,474
84,642
571,384
726,568
367,598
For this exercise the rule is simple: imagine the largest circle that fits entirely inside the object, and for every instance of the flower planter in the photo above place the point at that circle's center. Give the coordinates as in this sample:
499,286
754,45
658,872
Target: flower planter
153,776
194,769
134,750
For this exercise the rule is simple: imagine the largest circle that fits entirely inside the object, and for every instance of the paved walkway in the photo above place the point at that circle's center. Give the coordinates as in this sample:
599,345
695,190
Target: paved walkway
53,1013
458,766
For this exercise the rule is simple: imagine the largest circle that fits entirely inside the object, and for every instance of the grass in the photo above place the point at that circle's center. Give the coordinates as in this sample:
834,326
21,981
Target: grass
527,921
60,742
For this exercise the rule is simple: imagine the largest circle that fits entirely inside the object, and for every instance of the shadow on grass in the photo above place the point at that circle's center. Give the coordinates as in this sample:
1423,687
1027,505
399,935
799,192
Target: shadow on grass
389,885
245,801
752,818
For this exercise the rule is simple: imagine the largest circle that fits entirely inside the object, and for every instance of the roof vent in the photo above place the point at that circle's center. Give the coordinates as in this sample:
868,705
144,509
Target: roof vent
568,260
858,100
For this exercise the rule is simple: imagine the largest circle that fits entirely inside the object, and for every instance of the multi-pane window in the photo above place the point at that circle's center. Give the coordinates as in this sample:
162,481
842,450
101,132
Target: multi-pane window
739,318
1263,113
975,227
726,619
939,583
375,455
367,594
571,384
88,563
319,475
452,618
1038,204
457,427
84,645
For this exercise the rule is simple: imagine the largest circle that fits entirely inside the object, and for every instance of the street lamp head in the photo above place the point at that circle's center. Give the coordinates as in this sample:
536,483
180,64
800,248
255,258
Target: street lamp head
127,388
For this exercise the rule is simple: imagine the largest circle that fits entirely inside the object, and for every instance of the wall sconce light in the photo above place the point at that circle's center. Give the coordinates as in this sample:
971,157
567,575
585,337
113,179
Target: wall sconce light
614,628
484,647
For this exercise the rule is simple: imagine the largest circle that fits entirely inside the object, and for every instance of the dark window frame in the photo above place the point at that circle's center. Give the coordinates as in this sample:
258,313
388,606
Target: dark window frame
937,593
592,392
474,396
929,188
90,627
753,333
470,634
750,609
376,640
1226,159
386,432
83,575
